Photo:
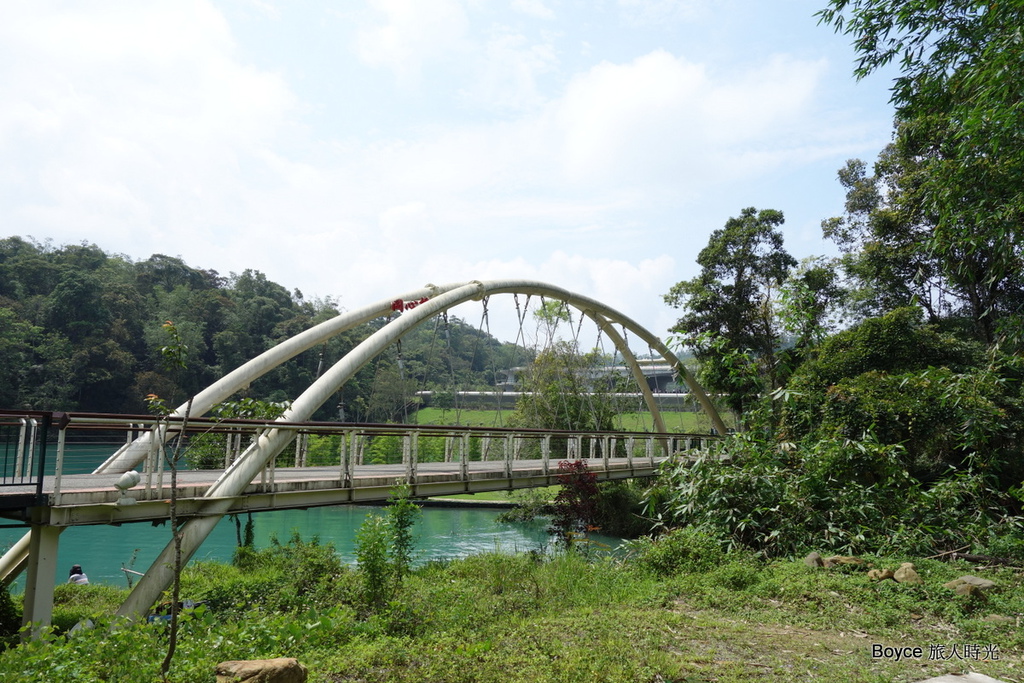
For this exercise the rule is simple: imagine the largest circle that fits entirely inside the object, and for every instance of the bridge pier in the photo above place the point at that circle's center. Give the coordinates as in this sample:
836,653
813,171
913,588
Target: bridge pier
42,576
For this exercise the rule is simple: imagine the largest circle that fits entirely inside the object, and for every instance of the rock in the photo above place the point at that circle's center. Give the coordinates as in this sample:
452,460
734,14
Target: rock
968,590
814,560
280,670
982,585
907,574
971,677
837,560
881,574
999,619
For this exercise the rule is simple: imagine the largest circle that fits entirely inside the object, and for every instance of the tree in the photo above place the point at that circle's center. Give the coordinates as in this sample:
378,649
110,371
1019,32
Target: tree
809,302
728,317
890,345
884,243
550,315
958,110
560,391
175,356
16,355
384,548
574,511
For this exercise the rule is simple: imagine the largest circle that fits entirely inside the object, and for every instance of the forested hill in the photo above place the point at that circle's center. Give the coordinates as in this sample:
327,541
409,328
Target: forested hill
81,329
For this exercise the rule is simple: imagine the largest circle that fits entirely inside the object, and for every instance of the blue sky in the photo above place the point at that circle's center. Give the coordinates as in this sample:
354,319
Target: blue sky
356,150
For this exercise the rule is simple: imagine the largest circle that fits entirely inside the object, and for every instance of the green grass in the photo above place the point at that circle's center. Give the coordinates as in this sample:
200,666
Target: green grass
550,492
464,418
633,422
528,618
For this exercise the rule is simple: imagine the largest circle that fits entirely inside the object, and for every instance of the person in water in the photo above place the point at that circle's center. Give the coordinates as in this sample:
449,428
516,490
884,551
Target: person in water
77,576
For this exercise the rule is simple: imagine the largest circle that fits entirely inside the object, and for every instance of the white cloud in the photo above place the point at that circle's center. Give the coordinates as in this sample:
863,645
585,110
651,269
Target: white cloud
654,129
143,128
413,32
137,117
533,8
508,70
661,118
658,12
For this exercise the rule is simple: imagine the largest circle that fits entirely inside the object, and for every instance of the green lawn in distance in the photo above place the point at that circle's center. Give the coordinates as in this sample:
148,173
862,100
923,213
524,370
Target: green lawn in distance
686,422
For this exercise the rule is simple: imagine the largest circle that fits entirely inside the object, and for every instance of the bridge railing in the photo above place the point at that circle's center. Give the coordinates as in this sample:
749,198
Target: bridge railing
85,440
23,449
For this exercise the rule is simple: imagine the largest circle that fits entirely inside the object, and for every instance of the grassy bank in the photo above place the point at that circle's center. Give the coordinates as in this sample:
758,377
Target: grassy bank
679,611
687,422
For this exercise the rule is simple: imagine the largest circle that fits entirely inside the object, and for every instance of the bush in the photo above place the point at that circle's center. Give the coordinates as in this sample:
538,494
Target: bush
10,619
372,544
837,495
283,577
574,511
72,604
678,550
894,343
620,506
941,399
384,547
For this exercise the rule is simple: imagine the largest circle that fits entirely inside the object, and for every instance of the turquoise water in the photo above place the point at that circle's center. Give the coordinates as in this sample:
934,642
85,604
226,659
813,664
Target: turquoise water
440,533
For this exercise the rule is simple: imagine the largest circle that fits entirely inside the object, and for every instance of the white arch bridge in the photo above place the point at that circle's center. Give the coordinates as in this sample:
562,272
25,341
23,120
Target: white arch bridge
433,460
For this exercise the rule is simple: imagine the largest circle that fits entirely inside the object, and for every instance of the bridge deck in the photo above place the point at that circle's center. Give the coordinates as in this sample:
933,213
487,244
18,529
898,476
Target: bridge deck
92,499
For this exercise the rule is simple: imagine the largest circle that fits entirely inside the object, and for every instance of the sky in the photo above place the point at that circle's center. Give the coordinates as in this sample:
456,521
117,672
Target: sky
357,150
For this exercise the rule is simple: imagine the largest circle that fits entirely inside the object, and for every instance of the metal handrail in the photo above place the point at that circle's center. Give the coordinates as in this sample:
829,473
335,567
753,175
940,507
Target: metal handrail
460,444
30,454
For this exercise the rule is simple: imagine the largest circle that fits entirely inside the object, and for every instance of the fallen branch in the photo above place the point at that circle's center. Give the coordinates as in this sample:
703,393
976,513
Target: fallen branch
948,552
988,559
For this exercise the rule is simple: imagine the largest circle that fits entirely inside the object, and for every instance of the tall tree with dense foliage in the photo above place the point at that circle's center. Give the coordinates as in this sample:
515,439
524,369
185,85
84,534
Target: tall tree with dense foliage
958,109
562,389
886,258
728,310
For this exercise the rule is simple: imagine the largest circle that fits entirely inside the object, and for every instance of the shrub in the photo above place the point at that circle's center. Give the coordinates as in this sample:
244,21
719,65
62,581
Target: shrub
10,619
384,546
574,512
372,543
686,549
401,514
838,495
941,399
620,506
72,603
295,575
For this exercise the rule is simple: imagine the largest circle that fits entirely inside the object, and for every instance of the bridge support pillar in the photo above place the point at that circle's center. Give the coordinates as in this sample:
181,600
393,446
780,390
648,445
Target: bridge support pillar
42,576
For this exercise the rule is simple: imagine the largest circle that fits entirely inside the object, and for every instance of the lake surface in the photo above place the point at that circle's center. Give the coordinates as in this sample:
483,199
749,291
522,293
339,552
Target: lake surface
441,532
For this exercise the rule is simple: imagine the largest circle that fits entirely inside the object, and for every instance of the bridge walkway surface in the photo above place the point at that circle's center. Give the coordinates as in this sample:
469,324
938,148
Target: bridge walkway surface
46,486
93,498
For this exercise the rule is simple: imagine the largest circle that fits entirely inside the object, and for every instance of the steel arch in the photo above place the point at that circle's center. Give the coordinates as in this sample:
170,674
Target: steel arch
234,480
435,299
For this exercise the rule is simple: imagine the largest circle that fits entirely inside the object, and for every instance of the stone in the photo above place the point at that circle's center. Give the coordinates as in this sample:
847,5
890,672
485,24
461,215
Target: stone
968,590
981,584
971,677
837,560
280,670
814,560
999,619
881,574
907,574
